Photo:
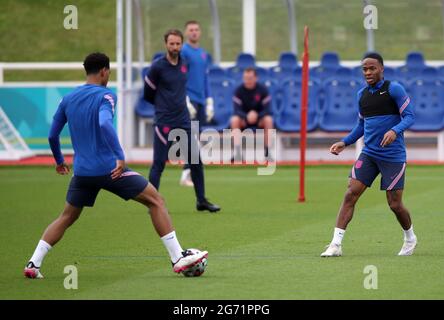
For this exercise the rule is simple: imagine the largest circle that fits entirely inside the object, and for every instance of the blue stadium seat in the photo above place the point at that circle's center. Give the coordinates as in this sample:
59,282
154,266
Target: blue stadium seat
428,100
321,73
327,67
157,55
412,69
280,75
245,60
235,74
275,90
297,73
287,61
389,73
405,75
288,119
144,109
330,60
415,60
217,74
343,73
210,59
262,74
287,64
441,72
222,93
340,112
357,71
144,72
429,74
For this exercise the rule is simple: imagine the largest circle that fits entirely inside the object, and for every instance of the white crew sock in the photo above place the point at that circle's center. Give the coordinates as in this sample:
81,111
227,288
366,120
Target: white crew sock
409,235
337,236
40,252
172,245
185,174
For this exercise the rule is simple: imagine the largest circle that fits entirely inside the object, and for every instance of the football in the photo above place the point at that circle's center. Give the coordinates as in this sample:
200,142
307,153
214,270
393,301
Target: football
198,269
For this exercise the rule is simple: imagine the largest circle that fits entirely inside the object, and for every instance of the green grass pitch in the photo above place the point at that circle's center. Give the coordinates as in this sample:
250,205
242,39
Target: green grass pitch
263,245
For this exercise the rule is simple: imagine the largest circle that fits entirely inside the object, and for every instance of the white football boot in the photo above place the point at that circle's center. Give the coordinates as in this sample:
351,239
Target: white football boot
333,250
32,272
408,247
188,260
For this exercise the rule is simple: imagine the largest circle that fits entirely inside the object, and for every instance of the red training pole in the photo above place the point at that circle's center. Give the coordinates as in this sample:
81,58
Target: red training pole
304,107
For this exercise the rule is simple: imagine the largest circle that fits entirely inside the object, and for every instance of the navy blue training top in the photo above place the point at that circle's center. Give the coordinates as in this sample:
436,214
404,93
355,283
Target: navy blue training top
165,88
246,100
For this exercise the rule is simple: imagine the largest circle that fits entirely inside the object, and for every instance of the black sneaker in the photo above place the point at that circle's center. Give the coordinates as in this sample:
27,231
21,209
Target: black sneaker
206,205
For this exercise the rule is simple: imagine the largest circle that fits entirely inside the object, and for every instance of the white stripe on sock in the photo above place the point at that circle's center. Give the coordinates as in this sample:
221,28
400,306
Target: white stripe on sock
172,245
40,252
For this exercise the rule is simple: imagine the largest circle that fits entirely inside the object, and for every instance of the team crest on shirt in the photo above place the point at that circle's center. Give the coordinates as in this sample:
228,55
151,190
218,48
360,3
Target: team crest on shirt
166,130
257,97
183,68
203,55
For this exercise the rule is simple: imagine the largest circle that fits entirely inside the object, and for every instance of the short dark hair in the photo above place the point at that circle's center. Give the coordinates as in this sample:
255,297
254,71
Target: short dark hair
251,69
374,55
95,62
191,22
175,32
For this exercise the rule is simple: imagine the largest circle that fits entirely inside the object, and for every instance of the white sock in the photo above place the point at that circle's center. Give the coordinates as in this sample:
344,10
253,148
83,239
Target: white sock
172,245
337,236
409,234
185,174
40,252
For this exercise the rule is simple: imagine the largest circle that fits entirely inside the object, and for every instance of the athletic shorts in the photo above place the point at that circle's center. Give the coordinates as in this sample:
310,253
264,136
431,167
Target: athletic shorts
83,190
367,168
254,125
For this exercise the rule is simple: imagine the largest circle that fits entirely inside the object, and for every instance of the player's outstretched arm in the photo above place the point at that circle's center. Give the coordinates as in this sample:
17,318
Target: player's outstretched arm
337,147
352,137
388,138
118,170
54,143
62,169
150,85
356,133
405,106
110,136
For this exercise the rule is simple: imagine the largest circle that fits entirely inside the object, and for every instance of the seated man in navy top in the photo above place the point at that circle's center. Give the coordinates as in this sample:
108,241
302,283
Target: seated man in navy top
251,109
